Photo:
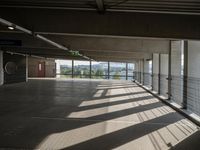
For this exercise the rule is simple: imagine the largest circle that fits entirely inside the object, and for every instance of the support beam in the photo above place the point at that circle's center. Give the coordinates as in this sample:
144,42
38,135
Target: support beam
111,23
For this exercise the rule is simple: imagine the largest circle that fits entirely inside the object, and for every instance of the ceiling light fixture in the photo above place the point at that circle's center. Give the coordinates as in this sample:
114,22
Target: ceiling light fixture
11,28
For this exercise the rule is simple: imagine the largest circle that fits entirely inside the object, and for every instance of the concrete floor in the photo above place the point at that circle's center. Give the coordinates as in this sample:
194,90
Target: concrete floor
90,115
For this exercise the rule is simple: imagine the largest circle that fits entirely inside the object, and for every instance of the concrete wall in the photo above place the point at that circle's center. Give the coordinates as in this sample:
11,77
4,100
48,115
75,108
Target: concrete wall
176,71
155,71
1,68
193,94
50,67
164,74
14,68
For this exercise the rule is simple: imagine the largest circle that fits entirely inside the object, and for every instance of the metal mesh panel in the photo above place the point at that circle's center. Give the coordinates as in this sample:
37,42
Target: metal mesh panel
155,82
163,85
177,89
193,95
147,80
137,76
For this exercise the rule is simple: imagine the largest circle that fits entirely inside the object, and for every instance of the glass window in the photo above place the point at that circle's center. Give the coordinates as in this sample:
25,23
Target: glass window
99,70
64,68
117,71
81,69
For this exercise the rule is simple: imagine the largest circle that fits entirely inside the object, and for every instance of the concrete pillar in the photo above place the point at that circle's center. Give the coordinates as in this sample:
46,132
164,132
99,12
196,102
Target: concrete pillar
164,74
155,72
147,74
193,84
1,68
177,71
137,71
141,71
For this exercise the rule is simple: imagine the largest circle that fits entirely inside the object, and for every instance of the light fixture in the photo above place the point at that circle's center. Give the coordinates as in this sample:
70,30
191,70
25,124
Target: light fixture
11,28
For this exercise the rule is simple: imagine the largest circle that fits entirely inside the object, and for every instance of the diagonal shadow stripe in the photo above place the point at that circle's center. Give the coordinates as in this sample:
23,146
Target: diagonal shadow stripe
121,87
118,95
125,135
126,112
107,104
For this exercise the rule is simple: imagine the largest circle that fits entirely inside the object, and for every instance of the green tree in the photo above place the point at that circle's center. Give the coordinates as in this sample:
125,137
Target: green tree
99,73
116,76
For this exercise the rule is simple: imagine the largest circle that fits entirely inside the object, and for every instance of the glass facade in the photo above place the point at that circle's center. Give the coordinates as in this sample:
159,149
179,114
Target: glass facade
64,68
81,69
117,71
95,70
99,70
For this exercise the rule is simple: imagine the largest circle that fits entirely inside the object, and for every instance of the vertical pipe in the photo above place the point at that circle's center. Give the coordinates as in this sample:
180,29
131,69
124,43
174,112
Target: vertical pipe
159,72
108,70
185,73
90,69
169,71
72,68
126,71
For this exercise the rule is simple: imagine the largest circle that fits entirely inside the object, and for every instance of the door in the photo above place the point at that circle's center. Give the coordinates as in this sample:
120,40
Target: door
41,69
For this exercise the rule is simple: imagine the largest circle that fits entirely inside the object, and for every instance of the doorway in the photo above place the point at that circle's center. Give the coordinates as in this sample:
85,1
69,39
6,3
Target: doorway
41,69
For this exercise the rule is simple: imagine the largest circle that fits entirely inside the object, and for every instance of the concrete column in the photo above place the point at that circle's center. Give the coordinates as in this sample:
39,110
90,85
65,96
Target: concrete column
141,72
155,72
193,83
177,72
147,74
1,68
164,58
137,71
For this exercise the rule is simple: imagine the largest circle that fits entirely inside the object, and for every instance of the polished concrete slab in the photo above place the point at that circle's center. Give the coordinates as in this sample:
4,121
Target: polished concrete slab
89,114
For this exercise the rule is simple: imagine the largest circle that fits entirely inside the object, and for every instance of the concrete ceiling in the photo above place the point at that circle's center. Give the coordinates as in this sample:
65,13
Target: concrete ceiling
156,6
115,30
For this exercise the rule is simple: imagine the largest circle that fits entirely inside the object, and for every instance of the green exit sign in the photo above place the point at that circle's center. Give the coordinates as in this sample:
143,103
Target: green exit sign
75,53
